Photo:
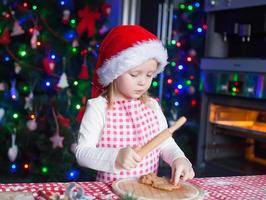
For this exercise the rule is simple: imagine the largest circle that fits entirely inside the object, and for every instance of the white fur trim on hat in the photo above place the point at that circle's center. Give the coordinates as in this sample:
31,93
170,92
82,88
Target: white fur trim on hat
130,58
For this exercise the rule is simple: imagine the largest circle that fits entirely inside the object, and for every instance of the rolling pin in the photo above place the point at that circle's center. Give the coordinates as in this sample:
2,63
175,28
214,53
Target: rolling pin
158,139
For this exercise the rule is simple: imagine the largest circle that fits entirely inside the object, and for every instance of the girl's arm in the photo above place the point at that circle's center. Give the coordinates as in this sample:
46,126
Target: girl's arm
87,155
169,149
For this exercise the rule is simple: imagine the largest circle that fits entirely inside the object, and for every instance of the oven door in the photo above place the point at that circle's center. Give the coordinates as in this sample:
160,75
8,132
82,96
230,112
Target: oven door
232,139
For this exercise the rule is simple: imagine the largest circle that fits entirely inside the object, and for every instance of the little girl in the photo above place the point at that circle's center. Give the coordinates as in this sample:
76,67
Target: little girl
121,118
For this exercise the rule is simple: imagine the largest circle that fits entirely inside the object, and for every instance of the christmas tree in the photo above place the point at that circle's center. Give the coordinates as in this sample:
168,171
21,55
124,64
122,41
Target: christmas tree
181,92
48,50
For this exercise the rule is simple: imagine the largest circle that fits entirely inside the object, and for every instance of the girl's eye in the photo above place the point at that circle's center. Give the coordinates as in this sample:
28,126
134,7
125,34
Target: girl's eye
149,75
133,75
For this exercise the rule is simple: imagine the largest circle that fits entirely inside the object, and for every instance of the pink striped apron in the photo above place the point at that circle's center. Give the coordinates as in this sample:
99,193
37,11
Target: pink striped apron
130,123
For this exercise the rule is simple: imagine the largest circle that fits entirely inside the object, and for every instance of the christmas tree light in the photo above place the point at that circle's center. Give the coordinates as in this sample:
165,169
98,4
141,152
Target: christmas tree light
13,168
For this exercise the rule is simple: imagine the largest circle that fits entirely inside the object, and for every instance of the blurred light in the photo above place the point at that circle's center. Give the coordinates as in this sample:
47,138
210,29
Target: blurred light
197,4
191,77
7,58
182,6
32,116
173,64
62,3
84,52
75,83
169,81
173,42
25,4
15,115
13,168
180,67
78,106
189,59
193,102
34,7
176,91
213,2
26,166
22,53
53,56
205,26
72,174
190,8
199,30
38,43
190,26
70,35
178,44
188,82
74,50
176,103
179,86
191,90
25,88
44,170
6,15
47,83
31,30
73,23
154,84
13,96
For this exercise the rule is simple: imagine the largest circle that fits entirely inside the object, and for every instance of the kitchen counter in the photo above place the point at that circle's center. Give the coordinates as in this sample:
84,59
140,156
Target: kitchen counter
216,188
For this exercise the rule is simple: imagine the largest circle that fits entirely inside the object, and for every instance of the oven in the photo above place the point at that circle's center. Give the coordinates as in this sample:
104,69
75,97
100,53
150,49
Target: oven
232,135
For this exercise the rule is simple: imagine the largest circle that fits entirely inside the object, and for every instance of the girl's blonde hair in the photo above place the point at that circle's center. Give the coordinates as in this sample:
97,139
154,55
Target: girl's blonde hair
109,95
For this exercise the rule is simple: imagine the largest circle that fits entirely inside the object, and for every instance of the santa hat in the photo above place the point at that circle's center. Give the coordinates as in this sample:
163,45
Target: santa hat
124,48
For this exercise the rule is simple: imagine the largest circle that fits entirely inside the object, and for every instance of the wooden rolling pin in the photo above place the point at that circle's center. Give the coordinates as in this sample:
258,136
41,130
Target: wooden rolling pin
158,139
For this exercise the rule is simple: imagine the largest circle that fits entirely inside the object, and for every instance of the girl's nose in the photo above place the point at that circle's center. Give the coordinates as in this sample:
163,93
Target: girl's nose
142,80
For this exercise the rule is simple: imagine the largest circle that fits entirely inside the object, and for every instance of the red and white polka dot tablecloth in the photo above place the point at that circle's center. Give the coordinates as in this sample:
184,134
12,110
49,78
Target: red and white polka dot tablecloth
216,188
233,188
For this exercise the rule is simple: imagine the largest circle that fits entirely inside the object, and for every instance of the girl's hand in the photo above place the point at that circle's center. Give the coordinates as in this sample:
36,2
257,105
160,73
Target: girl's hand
127,159
181,169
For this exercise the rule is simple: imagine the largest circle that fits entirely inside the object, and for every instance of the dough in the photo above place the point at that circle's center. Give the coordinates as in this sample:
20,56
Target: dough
157,182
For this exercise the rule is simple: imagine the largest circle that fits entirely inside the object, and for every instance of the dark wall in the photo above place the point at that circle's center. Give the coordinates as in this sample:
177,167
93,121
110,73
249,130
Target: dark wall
149,14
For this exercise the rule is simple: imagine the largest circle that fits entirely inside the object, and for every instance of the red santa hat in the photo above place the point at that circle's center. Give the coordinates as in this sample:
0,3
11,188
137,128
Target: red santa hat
124,48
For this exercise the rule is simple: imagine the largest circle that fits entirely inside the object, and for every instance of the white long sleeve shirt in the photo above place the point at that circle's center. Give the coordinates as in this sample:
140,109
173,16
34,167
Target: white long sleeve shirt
103,159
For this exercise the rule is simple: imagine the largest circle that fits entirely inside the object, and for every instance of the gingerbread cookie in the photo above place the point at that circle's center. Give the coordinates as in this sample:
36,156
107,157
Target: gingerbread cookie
158,182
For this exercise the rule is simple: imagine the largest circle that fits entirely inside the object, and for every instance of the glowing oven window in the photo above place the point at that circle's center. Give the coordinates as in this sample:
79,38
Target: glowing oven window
238,117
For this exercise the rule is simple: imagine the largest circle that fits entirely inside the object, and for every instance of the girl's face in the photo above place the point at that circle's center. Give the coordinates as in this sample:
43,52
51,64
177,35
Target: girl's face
135,82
